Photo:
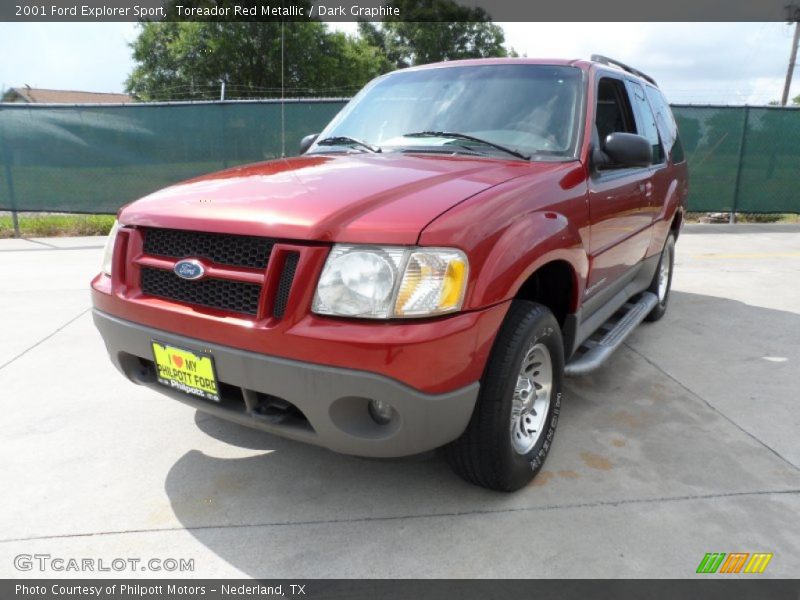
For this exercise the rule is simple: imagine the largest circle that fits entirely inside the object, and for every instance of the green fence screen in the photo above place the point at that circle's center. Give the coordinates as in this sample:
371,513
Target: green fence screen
96,158
741,158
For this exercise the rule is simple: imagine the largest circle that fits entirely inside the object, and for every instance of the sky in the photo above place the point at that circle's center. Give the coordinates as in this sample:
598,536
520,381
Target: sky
697,63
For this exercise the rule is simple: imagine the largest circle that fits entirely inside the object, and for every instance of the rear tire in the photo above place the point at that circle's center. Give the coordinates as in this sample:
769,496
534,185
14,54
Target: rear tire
662,279
515,418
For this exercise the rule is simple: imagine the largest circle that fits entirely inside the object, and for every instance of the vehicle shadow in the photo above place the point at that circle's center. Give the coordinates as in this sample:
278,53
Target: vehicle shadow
617,434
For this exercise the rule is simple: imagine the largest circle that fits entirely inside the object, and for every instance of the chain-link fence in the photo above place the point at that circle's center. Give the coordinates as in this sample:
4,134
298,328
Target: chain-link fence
94,159
741,158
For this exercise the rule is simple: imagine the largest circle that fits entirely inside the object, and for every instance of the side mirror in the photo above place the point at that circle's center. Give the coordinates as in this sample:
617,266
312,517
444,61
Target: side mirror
306,142
627,150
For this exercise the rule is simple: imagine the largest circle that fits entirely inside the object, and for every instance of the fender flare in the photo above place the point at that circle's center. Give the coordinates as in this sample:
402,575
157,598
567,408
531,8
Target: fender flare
510,263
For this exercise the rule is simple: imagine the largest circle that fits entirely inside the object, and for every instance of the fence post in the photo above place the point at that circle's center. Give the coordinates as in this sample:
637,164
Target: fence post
223,131
742,144
15,221
10,184
11,195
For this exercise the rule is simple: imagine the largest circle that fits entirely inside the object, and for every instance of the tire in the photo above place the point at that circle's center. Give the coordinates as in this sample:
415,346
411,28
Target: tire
495,451
667,261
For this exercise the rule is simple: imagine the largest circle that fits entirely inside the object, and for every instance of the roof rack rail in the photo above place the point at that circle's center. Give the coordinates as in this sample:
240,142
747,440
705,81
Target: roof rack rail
599,58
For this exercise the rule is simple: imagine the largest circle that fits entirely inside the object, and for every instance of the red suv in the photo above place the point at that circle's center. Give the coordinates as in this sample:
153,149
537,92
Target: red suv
459,237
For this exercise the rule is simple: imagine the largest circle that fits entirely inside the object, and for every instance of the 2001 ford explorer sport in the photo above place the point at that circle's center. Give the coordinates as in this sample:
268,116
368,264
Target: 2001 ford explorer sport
458,239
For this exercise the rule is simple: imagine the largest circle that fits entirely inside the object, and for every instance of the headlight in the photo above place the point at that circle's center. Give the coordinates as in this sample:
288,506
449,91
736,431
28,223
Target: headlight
108,251
433,283
387,282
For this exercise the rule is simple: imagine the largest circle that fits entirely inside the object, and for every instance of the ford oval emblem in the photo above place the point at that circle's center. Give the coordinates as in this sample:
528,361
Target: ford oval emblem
189,269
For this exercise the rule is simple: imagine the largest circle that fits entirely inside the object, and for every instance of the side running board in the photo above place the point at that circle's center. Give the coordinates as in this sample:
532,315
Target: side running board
594,352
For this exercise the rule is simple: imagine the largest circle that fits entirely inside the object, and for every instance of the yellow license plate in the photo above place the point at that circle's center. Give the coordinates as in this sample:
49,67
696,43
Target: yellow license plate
187,371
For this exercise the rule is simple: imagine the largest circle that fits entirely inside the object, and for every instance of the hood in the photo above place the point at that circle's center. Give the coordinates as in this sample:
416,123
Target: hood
365,198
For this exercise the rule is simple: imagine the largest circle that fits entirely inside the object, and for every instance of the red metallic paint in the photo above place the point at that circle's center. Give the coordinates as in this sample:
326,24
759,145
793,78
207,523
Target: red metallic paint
432,355
364,198
514,228
510,217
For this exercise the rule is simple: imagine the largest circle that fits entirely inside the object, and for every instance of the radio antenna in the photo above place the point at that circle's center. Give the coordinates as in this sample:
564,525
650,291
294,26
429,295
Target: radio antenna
283,98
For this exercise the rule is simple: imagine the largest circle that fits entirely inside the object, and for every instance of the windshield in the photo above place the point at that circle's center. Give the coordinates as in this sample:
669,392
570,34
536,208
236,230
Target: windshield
530,109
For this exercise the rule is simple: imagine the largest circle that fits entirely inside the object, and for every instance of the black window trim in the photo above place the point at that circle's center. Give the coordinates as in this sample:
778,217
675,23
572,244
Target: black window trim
619,172
664,158
669,156
621,80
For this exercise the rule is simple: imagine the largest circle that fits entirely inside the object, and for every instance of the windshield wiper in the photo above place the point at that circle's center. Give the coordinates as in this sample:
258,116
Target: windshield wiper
472,138
341,140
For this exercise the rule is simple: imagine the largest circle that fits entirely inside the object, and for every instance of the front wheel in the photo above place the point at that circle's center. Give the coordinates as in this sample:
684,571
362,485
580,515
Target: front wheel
515,418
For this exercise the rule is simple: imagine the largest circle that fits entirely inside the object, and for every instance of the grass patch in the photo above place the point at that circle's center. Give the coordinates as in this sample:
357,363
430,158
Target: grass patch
767,218
694,217
46,225
61,225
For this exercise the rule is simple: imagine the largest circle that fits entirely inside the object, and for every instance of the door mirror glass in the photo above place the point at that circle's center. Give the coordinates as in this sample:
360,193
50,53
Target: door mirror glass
306,142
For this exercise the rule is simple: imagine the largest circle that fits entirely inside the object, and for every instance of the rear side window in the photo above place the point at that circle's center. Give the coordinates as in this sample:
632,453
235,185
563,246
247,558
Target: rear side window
647,120
666,124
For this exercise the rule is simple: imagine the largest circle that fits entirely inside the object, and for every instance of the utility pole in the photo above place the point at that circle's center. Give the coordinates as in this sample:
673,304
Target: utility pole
794,17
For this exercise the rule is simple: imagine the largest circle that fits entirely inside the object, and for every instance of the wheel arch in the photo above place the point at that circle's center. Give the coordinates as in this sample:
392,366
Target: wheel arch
511,270
553,285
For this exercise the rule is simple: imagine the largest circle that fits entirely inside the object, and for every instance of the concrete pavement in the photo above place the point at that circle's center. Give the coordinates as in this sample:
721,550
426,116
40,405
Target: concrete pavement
684,443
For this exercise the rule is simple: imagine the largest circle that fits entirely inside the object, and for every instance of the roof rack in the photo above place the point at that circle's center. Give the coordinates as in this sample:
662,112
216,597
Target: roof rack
599,58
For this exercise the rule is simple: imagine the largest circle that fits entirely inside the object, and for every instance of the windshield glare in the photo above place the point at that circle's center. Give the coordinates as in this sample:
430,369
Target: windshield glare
533,109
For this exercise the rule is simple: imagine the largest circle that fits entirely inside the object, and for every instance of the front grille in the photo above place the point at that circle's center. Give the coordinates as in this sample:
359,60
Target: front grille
285,284
223,294
221,248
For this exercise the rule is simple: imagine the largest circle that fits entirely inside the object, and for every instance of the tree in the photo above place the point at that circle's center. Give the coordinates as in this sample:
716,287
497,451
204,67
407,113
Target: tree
435,30
794,102
188,60
178,60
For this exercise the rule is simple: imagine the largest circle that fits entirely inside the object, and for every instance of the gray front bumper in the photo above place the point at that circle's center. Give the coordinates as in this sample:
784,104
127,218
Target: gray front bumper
332,400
